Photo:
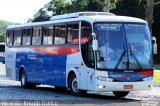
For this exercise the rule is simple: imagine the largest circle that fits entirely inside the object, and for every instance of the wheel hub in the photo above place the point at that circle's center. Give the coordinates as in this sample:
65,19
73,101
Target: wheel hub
75,85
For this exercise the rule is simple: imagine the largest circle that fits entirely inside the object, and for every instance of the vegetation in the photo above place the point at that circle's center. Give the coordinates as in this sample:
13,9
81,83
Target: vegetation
157,76
3,26
157,66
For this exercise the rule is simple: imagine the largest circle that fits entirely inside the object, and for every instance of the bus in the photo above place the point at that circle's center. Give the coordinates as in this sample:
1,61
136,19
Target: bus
2,52
68,51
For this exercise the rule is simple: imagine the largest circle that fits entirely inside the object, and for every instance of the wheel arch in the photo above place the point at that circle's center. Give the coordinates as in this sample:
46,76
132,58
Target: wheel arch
21,69
71,72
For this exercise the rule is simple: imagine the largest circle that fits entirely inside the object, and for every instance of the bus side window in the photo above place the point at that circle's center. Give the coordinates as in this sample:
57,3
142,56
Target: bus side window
17,37
72,34
26,37
37,36
60,35
47,35
9,37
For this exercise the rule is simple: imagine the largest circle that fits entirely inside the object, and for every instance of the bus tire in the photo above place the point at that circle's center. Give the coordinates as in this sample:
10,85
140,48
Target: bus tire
73,86
24,82
120,94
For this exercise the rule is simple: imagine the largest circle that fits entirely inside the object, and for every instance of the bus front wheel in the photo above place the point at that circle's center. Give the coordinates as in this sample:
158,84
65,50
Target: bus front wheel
24,82
120,93
73,86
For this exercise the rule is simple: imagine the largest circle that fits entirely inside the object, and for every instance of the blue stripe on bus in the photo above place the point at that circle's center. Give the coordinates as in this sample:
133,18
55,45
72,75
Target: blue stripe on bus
43,69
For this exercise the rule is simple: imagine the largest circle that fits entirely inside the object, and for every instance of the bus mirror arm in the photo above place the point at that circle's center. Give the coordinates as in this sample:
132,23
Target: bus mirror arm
154,45
94,42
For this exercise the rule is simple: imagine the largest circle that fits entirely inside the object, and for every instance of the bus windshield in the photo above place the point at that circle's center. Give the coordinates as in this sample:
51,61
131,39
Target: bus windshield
123,46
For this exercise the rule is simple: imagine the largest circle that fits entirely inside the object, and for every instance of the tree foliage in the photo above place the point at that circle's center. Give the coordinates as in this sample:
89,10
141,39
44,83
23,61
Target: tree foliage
133,8
3,26
2,37
41,15
57,7
61,6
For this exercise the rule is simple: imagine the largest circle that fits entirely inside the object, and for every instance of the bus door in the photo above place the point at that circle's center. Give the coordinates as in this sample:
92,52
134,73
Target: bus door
87,70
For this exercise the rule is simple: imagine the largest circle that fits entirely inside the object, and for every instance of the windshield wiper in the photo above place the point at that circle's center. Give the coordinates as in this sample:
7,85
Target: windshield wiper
120,59
132,54
128,62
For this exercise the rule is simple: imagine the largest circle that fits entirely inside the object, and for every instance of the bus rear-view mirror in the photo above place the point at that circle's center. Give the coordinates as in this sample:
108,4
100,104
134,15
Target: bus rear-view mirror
94,42
154,45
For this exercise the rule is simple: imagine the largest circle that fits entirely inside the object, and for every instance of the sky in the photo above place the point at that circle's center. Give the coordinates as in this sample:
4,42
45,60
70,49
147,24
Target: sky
19,11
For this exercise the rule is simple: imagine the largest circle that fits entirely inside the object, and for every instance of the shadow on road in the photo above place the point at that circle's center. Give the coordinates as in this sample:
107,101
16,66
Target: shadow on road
89,98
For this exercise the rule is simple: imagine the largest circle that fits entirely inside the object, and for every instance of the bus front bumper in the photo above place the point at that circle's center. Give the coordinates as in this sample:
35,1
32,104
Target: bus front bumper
123,86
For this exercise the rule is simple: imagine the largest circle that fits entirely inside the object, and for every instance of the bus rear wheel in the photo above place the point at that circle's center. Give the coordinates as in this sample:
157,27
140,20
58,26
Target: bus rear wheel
120,94
73,86
24,82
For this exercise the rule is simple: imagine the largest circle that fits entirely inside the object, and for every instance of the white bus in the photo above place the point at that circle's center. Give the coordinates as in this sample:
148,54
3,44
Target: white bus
84,51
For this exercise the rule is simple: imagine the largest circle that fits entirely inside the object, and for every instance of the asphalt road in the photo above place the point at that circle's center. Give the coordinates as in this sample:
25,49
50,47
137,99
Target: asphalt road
11,93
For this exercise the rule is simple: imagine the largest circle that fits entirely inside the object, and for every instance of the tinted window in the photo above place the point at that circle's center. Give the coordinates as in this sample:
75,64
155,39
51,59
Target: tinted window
26,37
9,38
86,29
72,34
17,37
47,35
60,32
37,36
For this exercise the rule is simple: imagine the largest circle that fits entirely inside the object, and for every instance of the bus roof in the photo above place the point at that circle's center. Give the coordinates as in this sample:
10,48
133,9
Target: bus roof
80,14
83,16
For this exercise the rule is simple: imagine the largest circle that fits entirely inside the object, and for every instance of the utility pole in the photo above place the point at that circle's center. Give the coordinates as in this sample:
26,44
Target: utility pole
106,6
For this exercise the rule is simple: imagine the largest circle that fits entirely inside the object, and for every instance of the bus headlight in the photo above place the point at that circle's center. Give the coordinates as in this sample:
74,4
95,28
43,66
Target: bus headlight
148,79
101,86
102,78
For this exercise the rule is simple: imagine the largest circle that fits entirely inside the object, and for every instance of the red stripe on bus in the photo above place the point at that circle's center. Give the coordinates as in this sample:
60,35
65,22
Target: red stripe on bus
83,40
57,51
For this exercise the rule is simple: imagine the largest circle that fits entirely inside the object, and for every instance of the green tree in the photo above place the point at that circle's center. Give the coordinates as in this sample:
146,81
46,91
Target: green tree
86,5
3,26
2,37
133,8
150,5
41,15
57,7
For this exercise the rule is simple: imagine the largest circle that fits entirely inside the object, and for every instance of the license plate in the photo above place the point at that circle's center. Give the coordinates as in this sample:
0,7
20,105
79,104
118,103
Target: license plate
128,86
